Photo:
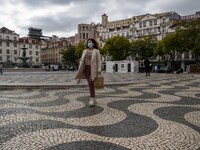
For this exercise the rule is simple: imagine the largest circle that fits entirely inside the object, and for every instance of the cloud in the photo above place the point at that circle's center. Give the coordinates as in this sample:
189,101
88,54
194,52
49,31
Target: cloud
42,3
61,17
183,7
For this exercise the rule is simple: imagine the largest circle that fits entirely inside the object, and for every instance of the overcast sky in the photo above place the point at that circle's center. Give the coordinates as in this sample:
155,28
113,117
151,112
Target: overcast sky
61,17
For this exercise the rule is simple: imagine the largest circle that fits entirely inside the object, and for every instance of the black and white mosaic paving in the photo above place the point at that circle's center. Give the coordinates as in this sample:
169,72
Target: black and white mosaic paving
157,114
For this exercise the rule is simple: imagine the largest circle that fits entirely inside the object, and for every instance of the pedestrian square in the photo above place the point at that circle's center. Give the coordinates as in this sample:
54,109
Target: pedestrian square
160,112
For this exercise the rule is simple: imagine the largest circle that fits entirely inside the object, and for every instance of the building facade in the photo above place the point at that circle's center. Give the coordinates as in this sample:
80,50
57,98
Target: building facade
51,50
191,17
158,25
138,26
9,47
33,50
86,31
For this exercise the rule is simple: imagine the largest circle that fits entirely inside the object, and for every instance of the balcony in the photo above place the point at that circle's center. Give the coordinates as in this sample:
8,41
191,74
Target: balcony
8,40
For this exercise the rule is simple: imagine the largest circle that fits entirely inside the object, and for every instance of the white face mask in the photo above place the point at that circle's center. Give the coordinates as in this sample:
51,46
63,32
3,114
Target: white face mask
90,45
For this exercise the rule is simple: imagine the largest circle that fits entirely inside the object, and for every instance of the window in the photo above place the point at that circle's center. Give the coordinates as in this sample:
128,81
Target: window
155,22
30,45
140,25
193,55
8,58
30,52
36,46
163,20
144,31
164,29
0,43
144,24
0,58
15,44
15,52
7,37
179,56
155,30
186,55
7,51
15,38
0,51
37,60
7,44
151,23
36,53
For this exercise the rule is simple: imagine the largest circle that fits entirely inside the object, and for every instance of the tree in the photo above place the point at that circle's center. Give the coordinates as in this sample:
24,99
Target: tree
143,47
189,37
79,49
171,45
69,56
159,50
118,47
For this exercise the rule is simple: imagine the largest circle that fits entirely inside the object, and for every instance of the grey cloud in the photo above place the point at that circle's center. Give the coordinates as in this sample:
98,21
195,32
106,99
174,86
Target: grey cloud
183,7
52,24
87,11
46,3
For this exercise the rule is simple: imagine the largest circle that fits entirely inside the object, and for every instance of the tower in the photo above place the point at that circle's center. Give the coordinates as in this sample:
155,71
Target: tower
104,20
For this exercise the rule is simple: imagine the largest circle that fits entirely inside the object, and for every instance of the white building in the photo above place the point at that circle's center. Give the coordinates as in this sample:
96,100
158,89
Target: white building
121,66
158,25
9,47
138,26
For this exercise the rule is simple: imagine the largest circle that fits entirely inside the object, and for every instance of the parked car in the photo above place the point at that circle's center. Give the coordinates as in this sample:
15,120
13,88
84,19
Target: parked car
55,67
71,68
164,69
180,70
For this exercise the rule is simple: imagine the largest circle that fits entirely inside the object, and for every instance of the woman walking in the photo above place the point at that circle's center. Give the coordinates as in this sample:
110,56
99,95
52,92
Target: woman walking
90,67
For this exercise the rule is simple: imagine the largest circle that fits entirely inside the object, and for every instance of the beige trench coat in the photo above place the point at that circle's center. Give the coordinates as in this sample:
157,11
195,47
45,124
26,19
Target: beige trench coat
95,65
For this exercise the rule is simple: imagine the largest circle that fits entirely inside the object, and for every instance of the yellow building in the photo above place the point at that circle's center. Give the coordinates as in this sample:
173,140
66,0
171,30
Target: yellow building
9,47
51,50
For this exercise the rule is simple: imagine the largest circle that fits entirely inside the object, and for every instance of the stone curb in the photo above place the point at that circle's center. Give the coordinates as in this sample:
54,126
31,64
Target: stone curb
14,87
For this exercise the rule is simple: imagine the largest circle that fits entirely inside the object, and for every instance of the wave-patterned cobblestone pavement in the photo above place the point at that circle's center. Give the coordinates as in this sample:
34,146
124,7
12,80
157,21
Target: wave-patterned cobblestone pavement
156,114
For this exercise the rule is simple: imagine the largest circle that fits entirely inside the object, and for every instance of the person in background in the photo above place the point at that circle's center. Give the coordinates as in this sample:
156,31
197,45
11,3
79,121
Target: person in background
147,66
90,67
156,68
1,68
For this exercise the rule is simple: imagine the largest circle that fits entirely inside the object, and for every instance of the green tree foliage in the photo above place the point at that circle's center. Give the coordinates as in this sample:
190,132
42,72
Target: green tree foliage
171,45
189,37
79,49
143,47
69,56
159,50
118,47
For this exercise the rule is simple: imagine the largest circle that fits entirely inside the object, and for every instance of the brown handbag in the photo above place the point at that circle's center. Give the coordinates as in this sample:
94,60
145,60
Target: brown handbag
99,82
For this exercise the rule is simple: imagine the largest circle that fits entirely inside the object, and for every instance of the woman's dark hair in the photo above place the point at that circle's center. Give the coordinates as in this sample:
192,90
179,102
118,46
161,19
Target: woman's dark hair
94,42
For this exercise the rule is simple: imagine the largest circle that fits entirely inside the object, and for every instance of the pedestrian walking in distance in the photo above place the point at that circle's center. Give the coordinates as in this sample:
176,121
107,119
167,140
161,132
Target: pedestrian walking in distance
1,68
147,66
90,67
